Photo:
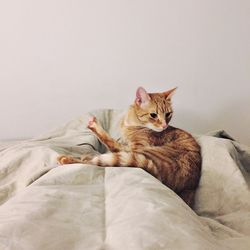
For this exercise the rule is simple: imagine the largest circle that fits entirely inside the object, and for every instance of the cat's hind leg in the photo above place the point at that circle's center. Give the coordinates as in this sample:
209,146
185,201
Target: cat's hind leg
125,159
64,159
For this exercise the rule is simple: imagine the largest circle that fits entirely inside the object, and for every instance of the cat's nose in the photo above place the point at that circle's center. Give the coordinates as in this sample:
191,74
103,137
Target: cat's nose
164,125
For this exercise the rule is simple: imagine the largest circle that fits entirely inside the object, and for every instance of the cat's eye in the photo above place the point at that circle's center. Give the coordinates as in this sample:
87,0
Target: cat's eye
153,115
167,115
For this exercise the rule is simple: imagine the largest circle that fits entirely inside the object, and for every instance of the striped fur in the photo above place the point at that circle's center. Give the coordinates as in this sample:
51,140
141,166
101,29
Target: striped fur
170,154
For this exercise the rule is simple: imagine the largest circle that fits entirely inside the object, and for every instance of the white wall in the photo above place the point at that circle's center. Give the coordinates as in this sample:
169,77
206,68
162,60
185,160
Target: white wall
60,58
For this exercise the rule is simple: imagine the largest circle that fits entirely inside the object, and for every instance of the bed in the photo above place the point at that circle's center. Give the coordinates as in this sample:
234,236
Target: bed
47,206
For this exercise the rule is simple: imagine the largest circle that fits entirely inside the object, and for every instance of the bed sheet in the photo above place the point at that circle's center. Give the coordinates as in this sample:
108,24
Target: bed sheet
46,206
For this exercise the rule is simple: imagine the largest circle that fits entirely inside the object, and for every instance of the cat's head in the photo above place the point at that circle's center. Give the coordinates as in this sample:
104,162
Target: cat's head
153,110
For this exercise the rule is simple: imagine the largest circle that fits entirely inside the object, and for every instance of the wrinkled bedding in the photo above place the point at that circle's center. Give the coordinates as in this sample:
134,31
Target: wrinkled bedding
46,206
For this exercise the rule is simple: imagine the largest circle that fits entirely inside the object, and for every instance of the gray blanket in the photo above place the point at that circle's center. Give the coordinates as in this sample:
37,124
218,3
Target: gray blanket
46,206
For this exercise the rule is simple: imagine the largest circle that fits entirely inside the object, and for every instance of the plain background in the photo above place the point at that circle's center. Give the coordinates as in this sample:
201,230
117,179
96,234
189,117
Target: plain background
62,58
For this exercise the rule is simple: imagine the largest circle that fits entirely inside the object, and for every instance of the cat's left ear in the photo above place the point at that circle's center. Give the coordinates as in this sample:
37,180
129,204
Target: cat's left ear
168,94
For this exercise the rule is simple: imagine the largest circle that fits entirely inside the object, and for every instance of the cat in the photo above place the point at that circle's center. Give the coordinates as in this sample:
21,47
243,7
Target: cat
170,154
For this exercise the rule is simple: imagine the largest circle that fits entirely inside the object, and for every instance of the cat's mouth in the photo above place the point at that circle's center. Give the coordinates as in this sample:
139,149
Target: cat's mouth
158,129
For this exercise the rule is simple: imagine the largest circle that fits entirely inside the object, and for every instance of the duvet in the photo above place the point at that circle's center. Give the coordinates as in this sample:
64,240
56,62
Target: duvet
49,207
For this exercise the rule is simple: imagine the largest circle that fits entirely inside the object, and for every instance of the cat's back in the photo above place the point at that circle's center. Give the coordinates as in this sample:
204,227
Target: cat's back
180,138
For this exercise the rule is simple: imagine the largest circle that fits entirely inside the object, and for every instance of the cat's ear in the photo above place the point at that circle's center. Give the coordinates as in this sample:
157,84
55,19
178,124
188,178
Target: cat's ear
168,94
142,97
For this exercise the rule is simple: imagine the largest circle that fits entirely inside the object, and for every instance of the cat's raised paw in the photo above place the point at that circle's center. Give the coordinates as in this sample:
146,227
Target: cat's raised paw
92,122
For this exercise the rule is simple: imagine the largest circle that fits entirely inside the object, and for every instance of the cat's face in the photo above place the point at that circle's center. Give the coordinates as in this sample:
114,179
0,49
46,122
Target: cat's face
153,110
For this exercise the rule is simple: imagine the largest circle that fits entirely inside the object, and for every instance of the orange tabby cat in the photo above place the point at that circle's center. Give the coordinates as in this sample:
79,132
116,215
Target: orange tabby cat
168,153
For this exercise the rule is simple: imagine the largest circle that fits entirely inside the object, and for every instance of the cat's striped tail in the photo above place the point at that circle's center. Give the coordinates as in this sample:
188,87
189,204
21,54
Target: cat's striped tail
125,159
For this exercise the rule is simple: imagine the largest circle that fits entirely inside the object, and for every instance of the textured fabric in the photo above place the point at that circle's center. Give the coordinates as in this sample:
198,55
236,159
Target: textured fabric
46,206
